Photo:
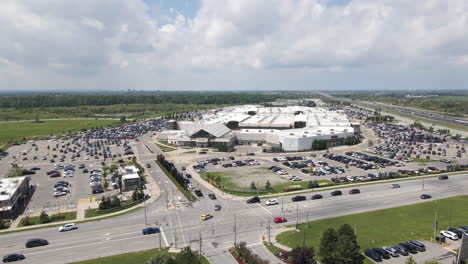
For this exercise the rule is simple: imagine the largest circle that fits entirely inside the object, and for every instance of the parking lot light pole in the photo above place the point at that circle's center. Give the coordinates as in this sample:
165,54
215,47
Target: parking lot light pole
297,216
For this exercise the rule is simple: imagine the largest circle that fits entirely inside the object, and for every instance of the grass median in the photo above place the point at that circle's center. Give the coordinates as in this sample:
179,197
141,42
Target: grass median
132,257
36,220
96,212
387,227
186,193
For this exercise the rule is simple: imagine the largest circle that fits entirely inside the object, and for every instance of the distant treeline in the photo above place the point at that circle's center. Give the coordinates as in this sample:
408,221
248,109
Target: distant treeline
103,100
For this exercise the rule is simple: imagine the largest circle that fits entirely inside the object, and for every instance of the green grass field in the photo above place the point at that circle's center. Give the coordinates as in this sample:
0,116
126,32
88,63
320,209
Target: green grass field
386,227
165,148
139,257
16,131
36,221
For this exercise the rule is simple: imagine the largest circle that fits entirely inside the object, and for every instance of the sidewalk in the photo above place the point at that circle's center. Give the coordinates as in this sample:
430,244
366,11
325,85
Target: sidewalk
153,190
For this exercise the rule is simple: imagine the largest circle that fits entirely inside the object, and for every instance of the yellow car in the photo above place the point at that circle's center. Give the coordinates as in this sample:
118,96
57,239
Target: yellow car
204,217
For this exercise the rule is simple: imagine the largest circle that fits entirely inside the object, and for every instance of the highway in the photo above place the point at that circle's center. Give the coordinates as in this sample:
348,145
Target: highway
181,225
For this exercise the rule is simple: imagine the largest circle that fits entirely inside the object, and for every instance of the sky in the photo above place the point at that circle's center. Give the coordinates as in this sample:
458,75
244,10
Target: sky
233,45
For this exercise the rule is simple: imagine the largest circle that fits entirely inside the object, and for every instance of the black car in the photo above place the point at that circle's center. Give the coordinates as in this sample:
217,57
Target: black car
298,198
409,247
456,231
443,177
188,175
212,196
13,257
98,190
316,197
148,165
198,193
382,252
369,252
336,193
36,242
425,196
35,168
254,199
420,246
401,250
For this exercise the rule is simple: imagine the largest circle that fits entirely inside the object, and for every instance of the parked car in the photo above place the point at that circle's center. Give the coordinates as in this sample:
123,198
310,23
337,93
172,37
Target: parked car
409,247
212,196
278,220
13,257
401,250
254,199
450,234
369,252
36,242
68,227
271,202
298,198
443,177
336,193
316,197
383,253
425,196
354,191
393,252
198,193
419,245
150,230
217,207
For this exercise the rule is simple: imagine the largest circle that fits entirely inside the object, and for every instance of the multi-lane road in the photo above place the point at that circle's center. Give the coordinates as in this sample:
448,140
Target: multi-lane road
181,225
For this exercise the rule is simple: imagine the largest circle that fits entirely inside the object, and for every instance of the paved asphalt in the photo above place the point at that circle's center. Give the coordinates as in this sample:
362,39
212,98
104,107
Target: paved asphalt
181,225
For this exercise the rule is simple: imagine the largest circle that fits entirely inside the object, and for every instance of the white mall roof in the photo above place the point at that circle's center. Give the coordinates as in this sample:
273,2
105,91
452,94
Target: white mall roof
8,187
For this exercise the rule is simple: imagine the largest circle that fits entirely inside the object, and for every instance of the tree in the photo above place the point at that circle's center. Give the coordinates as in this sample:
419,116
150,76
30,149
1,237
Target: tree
252,186
161,259
268,185
328,247
348,248
432,262
115,201
43,217
300,255
370,143
410,260
186,255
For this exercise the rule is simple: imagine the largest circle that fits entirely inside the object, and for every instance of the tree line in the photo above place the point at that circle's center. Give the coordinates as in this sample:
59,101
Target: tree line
171,168
103,100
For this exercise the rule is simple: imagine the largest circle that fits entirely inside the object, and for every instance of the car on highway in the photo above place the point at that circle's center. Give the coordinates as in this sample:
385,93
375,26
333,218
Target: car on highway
443,177
150,230
395,186
205,217
449,234
190,186
316,197
279,220
68,227
425,196
217,207
370,253
271,202
336,193
254,199
212,196
148,165
298,198
36,242
13,257
354,191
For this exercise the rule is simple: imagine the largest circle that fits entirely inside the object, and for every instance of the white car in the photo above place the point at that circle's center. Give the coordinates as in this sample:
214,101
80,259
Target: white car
190,186
271,202
86,158
59,193
395,185
296,179
68,227
449,234
282,172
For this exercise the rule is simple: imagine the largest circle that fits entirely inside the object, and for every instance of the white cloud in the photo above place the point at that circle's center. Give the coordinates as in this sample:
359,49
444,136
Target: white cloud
97,40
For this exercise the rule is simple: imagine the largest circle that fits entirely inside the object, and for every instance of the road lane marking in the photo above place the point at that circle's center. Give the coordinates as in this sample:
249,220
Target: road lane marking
266,210
451,250
164,236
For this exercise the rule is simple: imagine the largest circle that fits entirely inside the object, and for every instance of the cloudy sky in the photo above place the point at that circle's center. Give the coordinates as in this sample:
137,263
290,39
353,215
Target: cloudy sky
233,45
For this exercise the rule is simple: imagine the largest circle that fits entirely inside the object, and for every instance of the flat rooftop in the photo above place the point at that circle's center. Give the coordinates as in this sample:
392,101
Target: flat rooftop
8,187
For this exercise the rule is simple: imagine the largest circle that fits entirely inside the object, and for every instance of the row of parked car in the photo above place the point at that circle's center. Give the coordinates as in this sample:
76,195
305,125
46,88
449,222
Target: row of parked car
403,249
353,162
376,159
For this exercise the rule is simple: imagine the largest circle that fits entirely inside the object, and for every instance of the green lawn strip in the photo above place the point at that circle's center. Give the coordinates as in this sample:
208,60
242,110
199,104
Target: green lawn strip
139,257
17,131
165,148
388,226
423,160
35,220
186,193
273,249
96,212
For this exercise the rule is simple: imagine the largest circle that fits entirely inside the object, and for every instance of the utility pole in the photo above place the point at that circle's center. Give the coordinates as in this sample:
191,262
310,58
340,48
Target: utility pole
297,216
282,204
307,217
167,201
450,218
422,187
235,230
199,234
160,237
268,231
175,238
190,240
146,220
212,230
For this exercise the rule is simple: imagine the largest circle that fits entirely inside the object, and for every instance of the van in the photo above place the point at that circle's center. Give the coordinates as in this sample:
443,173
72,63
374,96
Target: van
419,245
36,242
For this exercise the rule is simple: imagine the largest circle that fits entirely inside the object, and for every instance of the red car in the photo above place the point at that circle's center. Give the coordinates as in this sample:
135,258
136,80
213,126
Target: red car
278,220
54,175
354,191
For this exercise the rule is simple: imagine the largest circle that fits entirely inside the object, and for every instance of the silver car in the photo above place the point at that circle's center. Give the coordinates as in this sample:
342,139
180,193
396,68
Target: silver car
393,252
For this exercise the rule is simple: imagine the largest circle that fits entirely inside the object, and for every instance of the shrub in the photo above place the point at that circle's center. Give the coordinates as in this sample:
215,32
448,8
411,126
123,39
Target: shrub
291,188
